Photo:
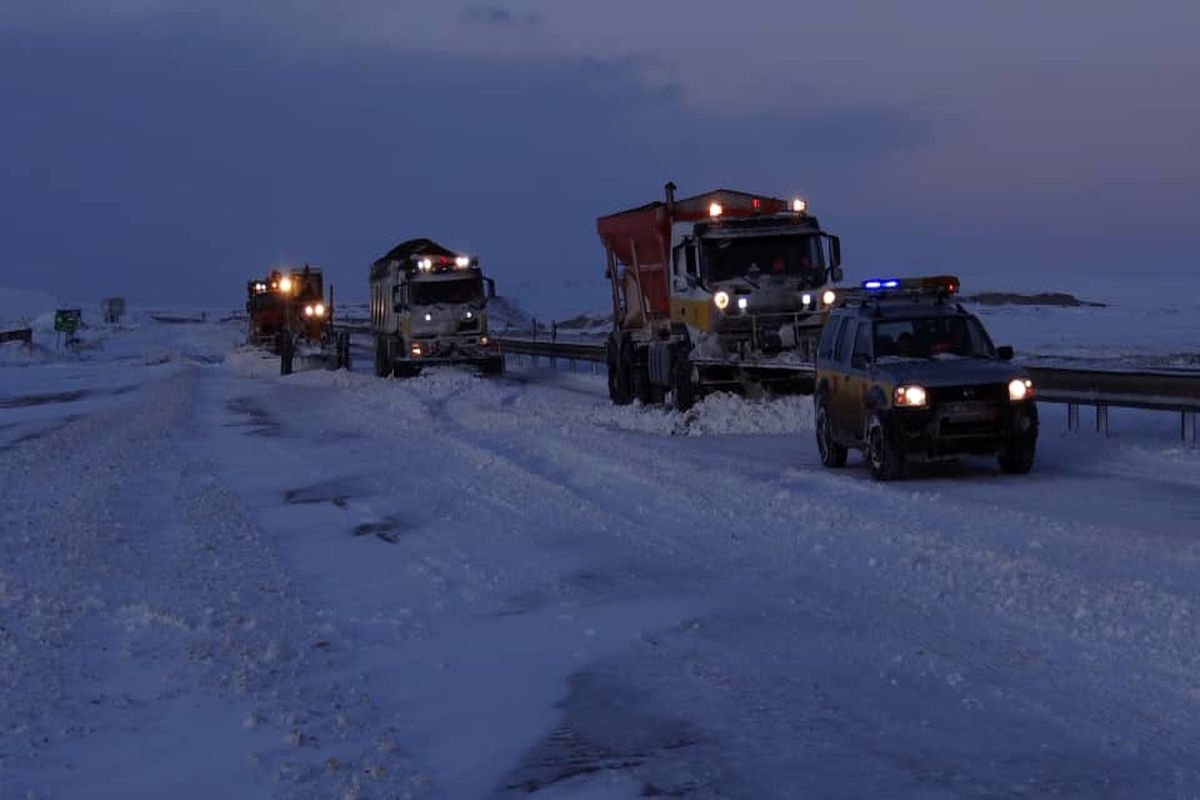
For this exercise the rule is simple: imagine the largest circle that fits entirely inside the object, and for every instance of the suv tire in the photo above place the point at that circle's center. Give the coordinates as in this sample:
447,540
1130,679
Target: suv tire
885,460
833,455
1018,458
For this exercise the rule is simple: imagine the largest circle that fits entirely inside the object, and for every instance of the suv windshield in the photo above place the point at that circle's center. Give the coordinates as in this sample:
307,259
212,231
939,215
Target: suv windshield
930,337
462,290
798,255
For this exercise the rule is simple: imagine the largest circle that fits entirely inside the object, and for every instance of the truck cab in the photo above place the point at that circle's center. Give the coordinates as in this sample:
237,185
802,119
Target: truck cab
428,306
904,374
718,290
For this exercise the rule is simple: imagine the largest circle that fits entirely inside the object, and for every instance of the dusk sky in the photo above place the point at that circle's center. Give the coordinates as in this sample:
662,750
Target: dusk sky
169,150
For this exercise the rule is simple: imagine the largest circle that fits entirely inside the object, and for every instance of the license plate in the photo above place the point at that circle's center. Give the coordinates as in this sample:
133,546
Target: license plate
968,411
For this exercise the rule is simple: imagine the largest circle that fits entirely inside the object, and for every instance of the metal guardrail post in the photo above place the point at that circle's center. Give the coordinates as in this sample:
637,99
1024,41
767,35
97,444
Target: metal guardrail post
1102,419
1072,416
1187,427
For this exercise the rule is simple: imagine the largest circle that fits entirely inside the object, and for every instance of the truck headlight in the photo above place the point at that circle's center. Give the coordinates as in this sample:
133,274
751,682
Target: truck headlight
1020,389
911,396
319,309
308,311
721,300
428,317
743,302
829,297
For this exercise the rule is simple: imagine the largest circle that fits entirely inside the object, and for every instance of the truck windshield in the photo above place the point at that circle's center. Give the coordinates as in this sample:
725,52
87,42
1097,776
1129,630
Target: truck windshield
793,255
461,290
931,337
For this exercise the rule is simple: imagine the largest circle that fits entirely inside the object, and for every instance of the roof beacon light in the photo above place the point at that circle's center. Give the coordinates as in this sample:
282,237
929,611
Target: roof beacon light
799,205
936,284
425,264
462,262
715,210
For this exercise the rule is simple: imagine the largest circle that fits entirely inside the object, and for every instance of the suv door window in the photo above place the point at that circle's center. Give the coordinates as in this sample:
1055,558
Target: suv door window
845,341
862,344
828,336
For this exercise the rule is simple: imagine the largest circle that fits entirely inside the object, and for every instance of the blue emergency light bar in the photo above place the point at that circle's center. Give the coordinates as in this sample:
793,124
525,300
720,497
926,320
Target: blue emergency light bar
936,284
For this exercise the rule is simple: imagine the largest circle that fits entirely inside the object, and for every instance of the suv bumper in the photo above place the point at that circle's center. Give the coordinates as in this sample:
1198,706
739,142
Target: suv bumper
975,429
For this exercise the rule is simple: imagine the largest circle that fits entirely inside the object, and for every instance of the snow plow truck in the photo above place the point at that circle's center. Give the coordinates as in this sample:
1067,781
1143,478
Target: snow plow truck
288,313
428,307
723,290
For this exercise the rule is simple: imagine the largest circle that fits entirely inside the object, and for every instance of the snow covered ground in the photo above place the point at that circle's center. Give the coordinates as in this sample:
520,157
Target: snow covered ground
217,582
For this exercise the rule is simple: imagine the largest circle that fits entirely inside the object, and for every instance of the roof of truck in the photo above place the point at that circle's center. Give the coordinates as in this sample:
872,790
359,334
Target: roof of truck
696,206
414,247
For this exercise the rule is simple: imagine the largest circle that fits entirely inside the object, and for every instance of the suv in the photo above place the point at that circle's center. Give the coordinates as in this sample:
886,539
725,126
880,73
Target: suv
903,374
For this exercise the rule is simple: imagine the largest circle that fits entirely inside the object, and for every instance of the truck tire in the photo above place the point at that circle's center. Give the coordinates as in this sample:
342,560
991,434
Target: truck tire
286,355
885,460
642,390
683,388
620,390
383,357
833,455
343,350
1018,458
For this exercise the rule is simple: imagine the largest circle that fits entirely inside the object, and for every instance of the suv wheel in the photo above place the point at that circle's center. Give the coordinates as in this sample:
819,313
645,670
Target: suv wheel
832,454
1018,458
885,460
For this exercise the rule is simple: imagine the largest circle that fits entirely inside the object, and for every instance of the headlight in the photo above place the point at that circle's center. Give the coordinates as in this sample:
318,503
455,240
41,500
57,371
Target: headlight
319,309
806,298
721,300
1020,389
462,262
415,349
429,317
308,311
483,340
470,315
828,297
743,302
285,285
910,396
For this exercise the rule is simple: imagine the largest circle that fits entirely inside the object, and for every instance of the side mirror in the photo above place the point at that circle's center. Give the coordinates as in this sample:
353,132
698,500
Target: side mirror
835,253
491,287
1004,352
835,274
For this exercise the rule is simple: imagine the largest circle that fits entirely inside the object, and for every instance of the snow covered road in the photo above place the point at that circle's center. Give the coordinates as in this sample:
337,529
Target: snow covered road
220,582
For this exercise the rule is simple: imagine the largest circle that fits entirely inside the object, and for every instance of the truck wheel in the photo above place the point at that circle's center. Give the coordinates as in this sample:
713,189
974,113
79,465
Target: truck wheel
343,350
286,354
1018,458
683,388
832,454
884,459
383,357
641,389
619,389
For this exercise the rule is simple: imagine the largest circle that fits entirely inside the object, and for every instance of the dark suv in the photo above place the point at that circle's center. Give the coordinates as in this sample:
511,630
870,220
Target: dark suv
905,374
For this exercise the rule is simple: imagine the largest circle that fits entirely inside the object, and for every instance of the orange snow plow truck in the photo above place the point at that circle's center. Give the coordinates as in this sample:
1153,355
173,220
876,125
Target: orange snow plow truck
721,291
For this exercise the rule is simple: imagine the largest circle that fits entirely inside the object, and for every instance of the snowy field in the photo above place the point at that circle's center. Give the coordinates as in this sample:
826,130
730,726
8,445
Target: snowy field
217,582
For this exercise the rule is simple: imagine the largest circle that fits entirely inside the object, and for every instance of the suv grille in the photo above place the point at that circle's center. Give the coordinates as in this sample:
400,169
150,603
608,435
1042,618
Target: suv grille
979,393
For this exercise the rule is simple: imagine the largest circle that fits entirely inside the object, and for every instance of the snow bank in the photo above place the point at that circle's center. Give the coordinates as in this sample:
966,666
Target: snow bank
718,414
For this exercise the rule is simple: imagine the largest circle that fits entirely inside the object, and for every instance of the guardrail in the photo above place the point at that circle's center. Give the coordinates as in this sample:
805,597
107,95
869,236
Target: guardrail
1156,390
18,335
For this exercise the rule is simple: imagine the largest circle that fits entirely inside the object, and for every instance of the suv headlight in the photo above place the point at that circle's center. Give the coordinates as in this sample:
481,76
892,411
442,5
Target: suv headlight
910,396
1020,389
